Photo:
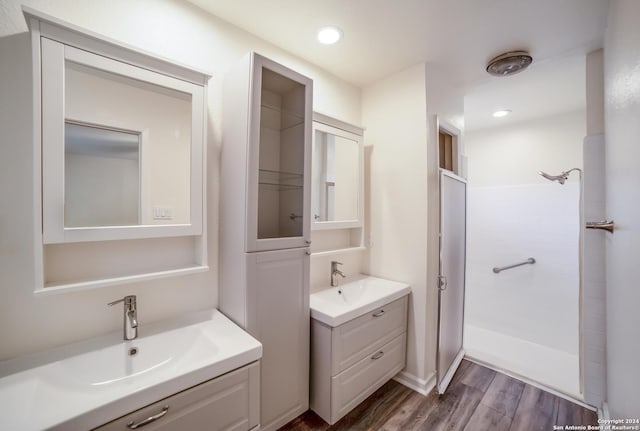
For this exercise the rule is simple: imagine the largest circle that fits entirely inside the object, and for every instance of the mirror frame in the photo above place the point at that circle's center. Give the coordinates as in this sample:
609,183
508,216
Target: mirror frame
339,128
54,54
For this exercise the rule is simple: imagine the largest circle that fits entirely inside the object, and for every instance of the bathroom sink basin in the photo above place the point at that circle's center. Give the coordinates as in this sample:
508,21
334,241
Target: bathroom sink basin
337,305
87,384
140,359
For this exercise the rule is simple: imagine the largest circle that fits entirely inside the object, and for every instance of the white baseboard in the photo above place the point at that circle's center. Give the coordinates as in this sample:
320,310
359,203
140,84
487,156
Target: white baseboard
421,386
603,413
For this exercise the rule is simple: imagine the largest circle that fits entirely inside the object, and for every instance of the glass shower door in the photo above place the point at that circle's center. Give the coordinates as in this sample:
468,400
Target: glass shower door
451,279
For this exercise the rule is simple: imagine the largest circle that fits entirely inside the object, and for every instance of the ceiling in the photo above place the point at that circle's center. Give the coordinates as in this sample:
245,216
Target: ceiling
382,37
551,87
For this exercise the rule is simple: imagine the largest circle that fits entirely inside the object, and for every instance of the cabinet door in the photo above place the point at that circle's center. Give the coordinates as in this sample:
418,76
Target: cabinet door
279,158
278,316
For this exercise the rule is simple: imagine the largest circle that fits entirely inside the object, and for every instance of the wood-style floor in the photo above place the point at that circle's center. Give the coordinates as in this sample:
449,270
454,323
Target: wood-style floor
477,399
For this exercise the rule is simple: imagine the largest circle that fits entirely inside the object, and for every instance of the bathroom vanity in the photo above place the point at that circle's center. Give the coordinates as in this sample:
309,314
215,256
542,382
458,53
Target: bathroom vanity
197,372
358,342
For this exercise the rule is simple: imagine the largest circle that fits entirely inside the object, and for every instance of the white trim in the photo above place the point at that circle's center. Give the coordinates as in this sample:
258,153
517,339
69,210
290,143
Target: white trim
54,56
346,134
53,289
414,383
34,27
337,251
252,242
333,122
53,81
533,383
450,174
603,413
332,225
456,133
82,38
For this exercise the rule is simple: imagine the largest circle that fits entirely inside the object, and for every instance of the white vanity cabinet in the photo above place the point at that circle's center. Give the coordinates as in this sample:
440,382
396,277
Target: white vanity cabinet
227,403
265,225
351,361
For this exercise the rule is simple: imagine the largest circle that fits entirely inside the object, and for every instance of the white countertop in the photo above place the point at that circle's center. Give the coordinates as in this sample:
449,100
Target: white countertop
67,388
337,305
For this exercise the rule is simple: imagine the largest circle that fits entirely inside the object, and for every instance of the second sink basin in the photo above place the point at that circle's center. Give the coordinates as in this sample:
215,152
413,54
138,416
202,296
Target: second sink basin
338,305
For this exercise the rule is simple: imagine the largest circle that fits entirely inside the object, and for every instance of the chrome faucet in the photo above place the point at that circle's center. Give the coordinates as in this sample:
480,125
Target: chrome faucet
335,271
130,316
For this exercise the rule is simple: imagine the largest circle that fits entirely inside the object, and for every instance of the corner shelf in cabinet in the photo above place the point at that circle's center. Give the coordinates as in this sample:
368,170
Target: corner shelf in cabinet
279,180
288,118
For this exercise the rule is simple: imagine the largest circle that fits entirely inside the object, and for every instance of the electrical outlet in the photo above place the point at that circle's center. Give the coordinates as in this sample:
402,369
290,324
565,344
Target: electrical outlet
162,213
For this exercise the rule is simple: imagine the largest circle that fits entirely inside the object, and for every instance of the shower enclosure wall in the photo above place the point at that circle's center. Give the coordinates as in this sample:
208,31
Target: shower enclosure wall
525,320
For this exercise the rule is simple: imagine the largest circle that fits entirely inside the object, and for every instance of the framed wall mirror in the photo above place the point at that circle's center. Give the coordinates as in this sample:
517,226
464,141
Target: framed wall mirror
337,191
122,149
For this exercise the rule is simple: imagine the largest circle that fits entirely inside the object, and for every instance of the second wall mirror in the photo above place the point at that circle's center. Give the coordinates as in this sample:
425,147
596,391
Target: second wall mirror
337,195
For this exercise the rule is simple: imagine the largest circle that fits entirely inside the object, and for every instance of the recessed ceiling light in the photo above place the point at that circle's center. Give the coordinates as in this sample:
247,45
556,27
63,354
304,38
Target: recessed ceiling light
329,35
502,113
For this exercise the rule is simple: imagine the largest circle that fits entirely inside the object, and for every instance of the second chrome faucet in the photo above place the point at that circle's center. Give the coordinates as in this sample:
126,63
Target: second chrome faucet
130,316
335,271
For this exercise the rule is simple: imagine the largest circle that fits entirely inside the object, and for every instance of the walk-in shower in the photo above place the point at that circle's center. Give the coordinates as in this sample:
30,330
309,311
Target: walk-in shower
525,317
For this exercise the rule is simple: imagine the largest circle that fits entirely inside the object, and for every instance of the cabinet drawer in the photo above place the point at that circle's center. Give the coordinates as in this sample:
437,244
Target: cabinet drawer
364,335
354,385
224,403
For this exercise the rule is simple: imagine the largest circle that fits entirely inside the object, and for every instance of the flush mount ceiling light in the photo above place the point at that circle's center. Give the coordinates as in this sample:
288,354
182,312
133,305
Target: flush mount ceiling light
329,35
501,113
509,63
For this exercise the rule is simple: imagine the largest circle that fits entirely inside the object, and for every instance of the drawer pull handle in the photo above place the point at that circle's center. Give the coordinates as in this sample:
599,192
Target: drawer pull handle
148,420
378,355
378,314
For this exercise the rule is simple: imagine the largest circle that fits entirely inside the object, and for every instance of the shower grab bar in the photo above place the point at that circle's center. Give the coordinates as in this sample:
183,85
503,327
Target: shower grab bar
529,261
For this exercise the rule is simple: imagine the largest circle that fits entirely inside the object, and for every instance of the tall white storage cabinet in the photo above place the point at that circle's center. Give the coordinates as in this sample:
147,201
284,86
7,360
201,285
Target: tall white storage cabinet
265,224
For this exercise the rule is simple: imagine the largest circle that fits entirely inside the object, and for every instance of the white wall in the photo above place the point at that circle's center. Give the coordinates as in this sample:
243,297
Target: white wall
514,154
509,224
171,29
398,113
394,115
622,115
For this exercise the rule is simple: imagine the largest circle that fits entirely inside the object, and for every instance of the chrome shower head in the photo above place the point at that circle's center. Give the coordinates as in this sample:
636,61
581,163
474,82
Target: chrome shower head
559,178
